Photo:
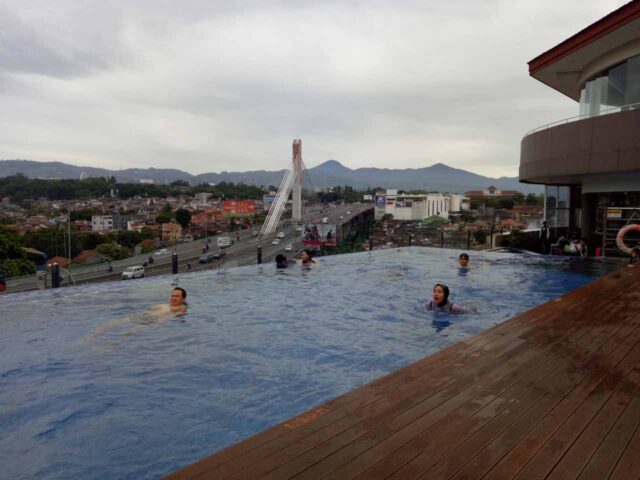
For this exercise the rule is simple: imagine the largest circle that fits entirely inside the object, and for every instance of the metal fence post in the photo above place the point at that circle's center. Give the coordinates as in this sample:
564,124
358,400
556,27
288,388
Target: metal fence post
468,239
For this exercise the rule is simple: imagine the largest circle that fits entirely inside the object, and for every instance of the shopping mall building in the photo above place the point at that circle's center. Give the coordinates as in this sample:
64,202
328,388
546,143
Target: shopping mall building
590,164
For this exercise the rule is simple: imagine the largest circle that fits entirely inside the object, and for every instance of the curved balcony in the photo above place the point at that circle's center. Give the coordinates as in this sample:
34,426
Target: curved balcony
565,152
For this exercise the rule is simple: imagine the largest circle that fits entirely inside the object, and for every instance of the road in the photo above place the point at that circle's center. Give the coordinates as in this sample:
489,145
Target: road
241,252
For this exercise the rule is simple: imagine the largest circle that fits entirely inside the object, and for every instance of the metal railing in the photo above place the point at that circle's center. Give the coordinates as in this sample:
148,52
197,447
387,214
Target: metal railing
607,111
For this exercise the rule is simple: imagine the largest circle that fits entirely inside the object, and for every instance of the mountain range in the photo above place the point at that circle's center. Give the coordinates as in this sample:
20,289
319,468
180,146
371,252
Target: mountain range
438,177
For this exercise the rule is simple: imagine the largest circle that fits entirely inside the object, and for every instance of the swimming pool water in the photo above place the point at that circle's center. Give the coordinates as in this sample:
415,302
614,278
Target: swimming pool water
258,346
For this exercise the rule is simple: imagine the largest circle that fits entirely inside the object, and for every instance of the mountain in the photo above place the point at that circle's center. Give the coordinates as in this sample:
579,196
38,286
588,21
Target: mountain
438,177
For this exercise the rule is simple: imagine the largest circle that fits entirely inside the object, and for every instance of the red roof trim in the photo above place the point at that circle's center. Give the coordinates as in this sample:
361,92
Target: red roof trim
616,19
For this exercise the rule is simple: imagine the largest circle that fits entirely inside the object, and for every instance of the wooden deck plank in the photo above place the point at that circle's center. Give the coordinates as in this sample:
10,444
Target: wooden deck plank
433,444
556,446
604,460
494,403
455,450
526,437
628,468
581,450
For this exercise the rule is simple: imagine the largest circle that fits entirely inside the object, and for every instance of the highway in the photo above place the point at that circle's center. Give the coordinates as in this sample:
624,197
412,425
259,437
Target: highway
243,251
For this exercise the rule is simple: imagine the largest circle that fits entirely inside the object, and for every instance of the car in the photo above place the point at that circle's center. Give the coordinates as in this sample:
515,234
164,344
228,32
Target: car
281,235
341,217
348,212
254,233
206,258
219,255
288,248
160,252
325,219
299,228
276,241
133,272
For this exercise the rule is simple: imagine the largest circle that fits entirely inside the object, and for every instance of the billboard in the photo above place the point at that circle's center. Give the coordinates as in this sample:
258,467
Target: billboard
381,201
268,200
319,234
239,208
367,198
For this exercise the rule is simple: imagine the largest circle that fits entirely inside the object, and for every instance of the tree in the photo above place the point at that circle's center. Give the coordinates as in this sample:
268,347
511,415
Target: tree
166,210
179,183
183,217
533,199
17,268
13,261
506,203
518,198
163,218
113,251
480,236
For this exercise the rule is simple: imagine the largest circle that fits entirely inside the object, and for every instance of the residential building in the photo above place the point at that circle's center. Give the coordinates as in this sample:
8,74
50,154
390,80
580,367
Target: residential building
101,223
491,192
171,232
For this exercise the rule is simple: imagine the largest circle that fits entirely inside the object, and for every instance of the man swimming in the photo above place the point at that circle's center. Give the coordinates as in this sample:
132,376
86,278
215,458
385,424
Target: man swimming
157,314
463,260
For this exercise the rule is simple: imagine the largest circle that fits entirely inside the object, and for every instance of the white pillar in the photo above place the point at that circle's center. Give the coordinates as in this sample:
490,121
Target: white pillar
297,182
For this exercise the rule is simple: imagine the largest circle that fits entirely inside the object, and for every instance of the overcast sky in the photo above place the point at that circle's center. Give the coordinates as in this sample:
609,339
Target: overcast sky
207,86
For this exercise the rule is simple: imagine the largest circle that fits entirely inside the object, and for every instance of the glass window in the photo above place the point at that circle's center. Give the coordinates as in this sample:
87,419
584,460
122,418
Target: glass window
617,87
557,206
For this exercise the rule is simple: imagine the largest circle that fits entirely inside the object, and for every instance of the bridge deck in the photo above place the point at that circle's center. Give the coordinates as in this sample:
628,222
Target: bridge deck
553,393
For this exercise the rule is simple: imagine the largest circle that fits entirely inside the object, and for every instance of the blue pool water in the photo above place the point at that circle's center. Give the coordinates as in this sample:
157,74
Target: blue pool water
257,347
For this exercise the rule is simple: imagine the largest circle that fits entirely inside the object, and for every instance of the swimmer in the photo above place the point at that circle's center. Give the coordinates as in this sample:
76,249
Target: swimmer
305,257
441,303
463,260
178,301
282,262
157,314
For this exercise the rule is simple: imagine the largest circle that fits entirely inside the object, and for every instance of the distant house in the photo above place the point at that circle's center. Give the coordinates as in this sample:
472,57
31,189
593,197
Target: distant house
147,246
491,192
171,232
63,262
509,224
101,223
88,257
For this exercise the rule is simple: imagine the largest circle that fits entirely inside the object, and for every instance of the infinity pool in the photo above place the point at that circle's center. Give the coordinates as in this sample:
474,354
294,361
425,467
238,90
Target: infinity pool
142,398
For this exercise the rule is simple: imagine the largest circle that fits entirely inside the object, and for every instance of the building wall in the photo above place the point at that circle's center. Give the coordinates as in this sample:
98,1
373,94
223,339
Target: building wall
566,154
101,223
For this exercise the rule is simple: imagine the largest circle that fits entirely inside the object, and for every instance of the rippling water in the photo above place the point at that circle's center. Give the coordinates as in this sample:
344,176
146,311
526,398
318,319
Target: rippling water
258,346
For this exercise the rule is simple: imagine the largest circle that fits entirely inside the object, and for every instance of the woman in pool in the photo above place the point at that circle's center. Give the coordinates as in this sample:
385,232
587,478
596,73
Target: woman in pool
305,257
441,303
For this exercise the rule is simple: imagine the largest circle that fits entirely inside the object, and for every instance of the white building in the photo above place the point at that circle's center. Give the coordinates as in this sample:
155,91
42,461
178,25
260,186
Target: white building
101,223
147,181
460,203
201,199
413,207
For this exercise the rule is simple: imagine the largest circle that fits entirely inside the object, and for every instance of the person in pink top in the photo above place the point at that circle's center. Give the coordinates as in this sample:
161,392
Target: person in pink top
441,303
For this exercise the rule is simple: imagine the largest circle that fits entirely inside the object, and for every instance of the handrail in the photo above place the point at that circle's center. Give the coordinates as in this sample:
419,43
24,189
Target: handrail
583,116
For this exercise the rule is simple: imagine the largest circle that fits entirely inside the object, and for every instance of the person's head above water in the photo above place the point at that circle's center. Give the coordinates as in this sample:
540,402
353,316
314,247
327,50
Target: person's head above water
440,294
178,297
463,260
305,256
281,261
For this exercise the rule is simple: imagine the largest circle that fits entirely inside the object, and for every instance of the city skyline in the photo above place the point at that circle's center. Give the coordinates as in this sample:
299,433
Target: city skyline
209,88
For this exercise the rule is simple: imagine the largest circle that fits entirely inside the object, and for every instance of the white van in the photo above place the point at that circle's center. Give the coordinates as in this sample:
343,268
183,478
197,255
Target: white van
133,272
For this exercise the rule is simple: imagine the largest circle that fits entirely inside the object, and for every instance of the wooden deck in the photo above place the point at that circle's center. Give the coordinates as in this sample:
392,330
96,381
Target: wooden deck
553,393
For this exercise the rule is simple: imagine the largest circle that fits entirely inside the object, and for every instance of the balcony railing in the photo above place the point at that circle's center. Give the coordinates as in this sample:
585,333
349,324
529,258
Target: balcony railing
607,111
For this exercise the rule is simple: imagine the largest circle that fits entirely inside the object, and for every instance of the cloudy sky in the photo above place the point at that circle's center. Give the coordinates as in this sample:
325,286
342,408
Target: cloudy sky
213,85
